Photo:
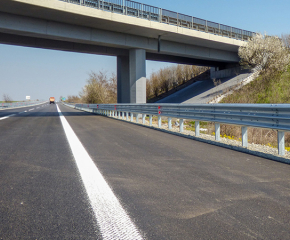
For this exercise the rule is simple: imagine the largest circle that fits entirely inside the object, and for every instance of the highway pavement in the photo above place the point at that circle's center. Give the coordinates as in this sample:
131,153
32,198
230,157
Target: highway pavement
68,174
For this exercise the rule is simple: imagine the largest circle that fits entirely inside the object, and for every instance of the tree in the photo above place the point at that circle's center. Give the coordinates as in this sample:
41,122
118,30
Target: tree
73,99
266,52
286,40
100,88
7,98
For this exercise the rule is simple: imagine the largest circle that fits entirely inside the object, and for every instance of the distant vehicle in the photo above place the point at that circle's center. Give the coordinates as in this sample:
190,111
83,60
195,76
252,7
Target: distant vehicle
51,100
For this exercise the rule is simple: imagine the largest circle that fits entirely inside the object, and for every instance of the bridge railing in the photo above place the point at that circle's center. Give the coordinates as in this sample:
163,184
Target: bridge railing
270,116
140,10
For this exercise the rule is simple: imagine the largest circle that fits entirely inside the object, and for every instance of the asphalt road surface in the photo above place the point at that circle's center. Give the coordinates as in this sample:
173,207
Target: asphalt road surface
67,174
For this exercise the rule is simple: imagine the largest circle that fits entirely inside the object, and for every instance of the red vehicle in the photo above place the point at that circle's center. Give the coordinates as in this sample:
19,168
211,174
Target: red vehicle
51,100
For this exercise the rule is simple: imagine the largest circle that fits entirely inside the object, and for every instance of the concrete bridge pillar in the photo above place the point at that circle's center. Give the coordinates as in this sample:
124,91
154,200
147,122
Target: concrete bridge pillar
131,77
123,80
137,67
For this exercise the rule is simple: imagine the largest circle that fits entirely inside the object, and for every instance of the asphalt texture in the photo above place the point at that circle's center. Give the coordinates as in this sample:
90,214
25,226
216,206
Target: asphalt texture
41,193
171,187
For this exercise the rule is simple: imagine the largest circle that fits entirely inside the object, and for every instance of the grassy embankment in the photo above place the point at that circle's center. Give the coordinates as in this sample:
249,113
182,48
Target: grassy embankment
273,88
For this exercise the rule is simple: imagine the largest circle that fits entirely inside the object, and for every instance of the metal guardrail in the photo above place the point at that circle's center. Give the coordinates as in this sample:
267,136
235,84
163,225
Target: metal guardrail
271,116
17,104
156,14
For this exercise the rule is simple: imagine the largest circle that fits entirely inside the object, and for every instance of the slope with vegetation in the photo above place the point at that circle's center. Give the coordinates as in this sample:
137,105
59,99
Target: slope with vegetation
272,56
103,89
170,79
273,88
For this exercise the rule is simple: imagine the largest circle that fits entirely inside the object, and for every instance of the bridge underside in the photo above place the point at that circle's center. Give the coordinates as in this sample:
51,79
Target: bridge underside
131,63
131,51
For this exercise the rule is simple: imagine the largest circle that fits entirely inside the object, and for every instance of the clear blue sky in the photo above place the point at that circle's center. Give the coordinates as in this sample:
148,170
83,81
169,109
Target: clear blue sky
43,73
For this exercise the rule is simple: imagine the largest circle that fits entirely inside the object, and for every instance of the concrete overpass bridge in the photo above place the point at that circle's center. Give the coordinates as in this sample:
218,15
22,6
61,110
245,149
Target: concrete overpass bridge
131,31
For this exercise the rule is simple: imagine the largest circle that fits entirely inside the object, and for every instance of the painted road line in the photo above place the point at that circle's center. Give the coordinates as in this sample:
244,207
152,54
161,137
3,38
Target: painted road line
112,219
22,112
7,116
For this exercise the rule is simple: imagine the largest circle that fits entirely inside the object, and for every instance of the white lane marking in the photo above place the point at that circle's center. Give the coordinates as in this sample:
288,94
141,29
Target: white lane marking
22,112
31,109
7,116
112,219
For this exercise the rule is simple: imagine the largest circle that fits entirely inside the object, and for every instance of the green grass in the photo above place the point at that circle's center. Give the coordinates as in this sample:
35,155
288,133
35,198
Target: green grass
10,102
265,89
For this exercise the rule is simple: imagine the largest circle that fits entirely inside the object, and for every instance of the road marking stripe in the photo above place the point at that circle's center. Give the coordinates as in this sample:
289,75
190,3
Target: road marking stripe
7,116
112,219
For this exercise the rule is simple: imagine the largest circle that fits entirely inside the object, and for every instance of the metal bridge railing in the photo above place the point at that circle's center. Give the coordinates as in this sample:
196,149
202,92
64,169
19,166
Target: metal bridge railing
271,116
151,13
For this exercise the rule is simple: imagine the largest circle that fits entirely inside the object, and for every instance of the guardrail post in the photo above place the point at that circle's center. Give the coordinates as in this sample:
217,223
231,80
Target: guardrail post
131,117
281,143
181,125
143,118
110,113
123,115
245,136
119,114
217,131
137,117
196,125
127,116
169,123
150,120
191,22
159,121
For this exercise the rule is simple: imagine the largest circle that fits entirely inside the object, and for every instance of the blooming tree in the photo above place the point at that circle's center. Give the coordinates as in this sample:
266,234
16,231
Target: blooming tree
268,53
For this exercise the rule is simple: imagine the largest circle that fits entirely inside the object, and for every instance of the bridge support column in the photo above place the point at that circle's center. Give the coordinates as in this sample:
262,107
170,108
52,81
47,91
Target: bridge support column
137,67
131,77
123,81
